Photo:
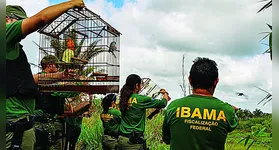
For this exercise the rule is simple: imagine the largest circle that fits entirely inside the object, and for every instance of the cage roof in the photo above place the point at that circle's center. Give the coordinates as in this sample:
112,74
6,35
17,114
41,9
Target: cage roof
73,16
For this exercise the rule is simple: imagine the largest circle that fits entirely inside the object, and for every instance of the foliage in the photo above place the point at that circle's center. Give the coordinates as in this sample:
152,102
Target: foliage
91,51
153,132
269,50
245,114
61,46
257,113
255,136
267,5
92,129
92,132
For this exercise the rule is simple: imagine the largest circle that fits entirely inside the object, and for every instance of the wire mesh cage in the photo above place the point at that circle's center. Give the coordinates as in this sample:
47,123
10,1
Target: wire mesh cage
85,44
150,89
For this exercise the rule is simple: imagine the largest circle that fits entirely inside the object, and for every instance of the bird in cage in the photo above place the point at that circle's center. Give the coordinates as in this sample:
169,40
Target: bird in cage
69,52
112,48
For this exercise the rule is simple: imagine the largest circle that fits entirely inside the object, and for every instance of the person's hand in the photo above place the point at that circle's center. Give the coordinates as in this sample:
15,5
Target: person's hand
169,98
77,3
165,94
163,91
69,74
235,108
106,117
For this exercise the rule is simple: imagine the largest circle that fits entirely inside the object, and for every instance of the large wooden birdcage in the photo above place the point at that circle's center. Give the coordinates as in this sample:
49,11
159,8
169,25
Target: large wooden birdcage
85,43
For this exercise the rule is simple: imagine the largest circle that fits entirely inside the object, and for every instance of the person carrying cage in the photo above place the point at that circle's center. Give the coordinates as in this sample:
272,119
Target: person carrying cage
21,90
133,109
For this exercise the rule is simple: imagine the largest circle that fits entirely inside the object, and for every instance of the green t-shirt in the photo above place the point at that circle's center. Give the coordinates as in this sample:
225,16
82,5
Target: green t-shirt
16,107
112,126
134,117
198,123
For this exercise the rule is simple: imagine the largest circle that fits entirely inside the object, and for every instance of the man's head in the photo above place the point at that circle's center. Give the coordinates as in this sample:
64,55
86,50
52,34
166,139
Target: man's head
204,74
49,64
14,13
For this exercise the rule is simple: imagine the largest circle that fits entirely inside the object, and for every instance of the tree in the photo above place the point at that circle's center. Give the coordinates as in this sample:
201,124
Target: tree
248,114
257,113
183,88
240,114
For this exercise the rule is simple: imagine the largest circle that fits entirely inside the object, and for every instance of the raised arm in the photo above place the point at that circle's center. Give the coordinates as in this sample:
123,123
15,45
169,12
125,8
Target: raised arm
47,15
148,102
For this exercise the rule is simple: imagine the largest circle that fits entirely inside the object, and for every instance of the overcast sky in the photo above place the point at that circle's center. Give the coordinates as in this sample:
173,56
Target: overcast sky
157,33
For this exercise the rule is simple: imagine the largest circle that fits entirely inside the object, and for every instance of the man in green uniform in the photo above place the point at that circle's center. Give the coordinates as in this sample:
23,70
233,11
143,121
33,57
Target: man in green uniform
48,107
21,90
199,121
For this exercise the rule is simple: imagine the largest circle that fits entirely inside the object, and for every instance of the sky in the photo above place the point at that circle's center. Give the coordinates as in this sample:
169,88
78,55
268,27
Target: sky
155,35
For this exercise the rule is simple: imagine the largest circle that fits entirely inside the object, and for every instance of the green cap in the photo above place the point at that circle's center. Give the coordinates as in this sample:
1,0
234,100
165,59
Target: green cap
15,11
50,59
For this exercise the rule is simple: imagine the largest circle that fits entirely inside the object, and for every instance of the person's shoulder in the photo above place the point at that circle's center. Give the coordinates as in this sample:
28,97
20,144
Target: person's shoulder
14,25
13,35
140,97
177,102
225,105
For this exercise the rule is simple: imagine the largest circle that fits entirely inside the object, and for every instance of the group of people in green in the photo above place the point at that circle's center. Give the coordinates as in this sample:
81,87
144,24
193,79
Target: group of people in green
124,128
198,121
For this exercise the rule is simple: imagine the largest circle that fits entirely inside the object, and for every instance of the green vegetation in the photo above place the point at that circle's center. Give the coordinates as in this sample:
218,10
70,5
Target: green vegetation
92,130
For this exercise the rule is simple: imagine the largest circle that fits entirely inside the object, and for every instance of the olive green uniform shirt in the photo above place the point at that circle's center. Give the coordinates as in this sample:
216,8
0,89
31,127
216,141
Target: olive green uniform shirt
134,118
16,107
198,123
111,127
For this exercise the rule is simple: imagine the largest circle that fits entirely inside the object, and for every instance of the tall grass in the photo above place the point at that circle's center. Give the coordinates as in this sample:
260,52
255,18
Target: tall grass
92,131
153,133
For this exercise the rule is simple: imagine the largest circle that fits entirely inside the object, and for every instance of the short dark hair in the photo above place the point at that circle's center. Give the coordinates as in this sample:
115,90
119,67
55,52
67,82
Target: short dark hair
49,59
106,102
203,73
